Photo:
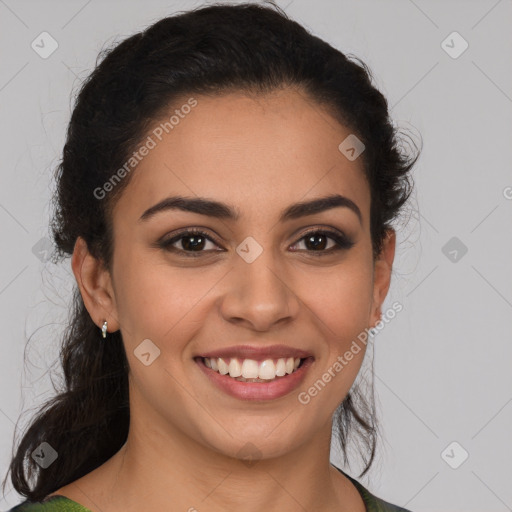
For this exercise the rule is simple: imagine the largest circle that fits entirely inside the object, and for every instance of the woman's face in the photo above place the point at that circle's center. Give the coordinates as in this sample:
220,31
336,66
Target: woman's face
263,286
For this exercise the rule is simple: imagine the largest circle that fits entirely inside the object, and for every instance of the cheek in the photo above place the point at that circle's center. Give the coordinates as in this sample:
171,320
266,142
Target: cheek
341,299
340,304
160,302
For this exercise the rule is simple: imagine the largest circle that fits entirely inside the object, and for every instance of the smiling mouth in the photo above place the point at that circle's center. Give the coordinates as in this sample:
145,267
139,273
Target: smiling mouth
251,370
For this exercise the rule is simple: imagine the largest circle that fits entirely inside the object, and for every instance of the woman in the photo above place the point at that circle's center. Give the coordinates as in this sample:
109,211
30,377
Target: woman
226,194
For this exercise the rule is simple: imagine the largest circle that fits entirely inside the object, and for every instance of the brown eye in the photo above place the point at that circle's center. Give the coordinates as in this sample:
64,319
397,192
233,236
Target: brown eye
192,243
317,242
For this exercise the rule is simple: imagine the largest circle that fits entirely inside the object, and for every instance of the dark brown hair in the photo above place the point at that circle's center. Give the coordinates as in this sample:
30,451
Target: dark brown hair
211,50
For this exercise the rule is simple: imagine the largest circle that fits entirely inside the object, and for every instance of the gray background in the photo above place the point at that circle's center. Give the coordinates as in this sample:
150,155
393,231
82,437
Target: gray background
442,366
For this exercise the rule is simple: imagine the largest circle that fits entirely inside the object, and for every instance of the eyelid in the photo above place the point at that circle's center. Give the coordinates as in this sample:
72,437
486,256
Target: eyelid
206,232
342,241
185,231
203,231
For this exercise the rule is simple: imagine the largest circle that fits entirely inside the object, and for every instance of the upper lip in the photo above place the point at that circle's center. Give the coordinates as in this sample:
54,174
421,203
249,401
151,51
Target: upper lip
257,352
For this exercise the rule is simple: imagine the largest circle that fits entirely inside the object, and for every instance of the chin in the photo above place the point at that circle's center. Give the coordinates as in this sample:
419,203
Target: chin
260,441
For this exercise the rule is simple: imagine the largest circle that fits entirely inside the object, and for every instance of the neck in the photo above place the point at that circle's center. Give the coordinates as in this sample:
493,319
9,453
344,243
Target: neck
194,478
161,466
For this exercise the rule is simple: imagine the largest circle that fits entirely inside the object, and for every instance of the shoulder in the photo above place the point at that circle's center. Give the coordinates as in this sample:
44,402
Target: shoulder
50,504
372,502
375,504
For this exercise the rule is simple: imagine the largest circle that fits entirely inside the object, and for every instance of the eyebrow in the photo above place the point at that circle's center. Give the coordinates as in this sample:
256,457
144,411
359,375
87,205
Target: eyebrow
211,208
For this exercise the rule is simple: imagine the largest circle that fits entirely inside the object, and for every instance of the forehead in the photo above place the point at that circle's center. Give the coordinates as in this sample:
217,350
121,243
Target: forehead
260,153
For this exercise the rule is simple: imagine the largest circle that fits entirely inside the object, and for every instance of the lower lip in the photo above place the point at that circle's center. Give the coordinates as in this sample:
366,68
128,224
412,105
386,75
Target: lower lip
271,390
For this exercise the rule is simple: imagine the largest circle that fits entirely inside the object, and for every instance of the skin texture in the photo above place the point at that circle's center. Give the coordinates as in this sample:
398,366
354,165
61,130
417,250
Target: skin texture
259,154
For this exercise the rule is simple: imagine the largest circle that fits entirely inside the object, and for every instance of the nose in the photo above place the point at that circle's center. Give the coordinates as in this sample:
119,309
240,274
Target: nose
259,294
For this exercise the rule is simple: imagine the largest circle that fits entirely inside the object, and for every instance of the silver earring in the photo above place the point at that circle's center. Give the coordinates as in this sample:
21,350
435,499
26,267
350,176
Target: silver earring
104,329
372,331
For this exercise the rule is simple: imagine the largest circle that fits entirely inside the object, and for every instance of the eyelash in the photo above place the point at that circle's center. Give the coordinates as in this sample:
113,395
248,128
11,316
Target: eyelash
342,242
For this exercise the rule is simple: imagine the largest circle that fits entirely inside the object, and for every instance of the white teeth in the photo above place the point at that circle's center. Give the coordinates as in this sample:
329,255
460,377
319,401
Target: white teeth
281,368
223,368
250,369
235,370
267,370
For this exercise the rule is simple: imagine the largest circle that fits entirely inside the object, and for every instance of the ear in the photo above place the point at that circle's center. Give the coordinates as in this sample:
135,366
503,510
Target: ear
382,275
94,282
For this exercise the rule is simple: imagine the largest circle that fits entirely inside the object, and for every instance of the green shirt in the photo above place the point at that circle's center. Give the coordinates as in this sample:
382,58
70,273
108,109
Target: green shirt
63,504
